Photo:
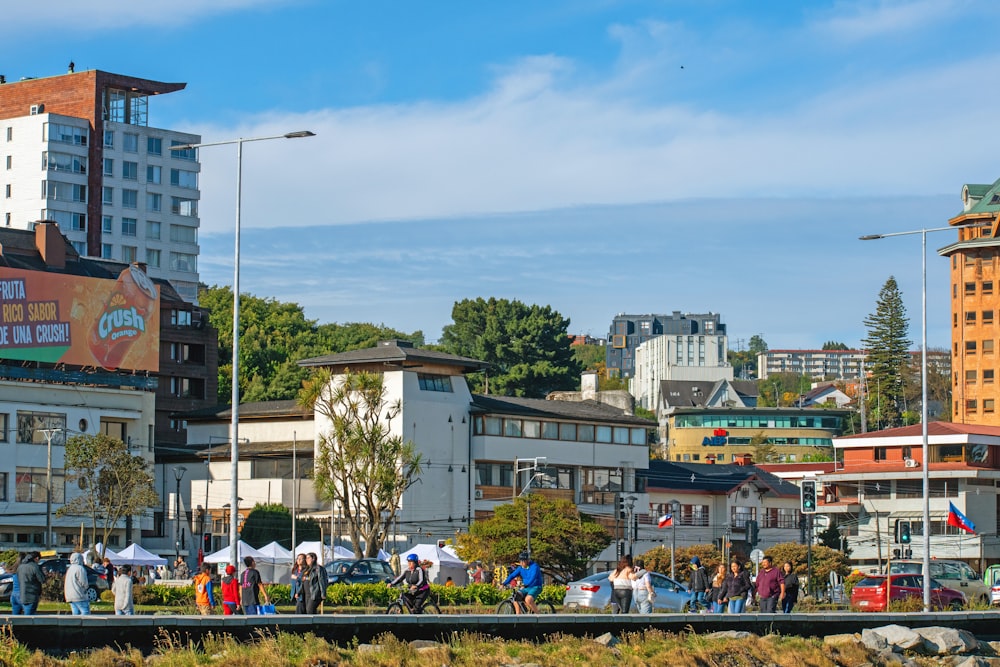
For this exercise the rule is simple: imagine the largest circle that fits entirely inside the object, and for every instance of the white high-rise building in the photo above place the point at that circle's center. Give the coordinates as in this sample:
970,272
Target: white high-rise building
678,357
78,149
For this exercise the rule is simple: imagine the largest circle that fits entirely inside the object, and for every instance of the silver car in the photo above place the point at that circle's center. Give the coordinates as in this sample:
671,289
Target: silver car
594,592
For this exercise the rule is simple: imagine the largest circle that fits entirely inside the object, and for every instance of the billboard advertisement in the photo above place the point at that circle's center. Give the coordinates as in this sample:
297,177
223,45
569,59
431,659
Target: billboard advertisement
55,318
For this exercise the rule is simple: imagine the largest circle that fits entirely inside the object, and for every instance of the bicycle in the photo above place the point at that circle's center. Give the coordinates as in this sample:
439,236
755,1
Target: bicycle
508,607
404,606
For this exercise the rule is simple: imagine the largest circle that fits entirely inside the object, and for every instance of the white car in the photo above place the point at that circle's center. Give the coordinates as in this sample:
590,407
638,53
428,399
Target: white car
594,592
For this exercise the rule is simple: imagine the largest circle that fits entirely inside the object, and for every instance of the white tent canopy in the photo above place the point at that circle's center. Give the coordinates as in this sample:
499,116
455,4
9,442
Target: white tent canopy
134,554
342,552
323,552
243,550
443,564
275,553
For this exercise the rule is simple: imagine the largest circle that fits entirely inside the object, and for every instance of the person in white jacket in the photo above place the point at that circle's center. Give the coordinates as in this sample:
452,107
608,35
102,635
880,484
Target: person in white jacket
122,588
75,587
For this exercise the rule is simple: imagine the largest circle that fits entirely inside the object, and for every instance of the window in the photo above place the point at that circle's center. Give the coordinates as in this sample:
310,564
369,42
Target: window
426,382
154,145
550,430
512,428
738,516
970,405
567,431
185,207
130,171
129,226
74,164
638,436
970,347
531,428
130,199
153,257
107,224
108,196
552,477
152,229
10,133
988,405
987,317
880,454
780,517
970,377
603,434
187,387
181,318
970,317
154,174
184,153
66,134
988,374
621,435
109,167
4,417
106,251
909,488
154,201
10,159
585,432
180,261
130,143
970,289
988,346
109,138
67,220
32,427
987,287
184,179
7,191
64,191
80,247
30,483
128,253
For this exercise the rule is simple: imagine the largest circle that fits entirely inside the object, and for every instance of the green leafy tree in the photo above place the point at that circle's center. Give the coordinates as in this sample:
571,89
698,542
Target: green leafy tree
272,522
763,451
361,466
830,537
938,389
757,345
658,560
888,355
114,484
824,561
590,357
527,347
563,541
274,336
834,345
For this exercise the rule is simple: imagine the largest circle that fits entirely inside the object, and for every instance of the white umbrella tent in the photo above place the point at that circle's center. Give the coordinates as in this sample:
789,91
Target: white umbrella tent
323,552
134,554
443,564
275,564
242,549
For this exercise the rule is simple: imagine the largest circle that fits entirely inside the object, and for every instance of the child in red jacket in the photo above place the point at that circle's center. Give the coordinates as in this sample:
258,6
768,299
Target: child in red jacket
230,591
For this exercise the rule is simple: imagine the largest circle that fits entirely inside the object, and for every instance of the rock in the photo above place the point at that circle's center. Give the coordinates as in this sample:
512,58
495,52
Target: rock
368,648
900,637
974,661
607,639
946,641
729,634
873,641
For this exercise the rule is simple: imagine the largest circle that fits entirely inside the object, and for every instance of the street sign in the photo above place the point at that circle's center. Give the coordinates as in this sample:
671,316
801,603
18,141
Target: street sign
756,556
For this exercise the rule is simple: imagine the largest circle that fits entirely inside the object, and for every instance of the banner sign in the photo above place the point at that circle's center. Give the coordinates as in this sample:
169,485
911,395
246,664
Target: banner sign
56,318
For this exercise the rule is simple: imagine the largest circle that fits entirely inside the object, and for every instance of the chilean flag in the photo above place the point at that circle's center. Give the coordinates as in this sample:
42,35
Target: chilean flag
666,521
959,520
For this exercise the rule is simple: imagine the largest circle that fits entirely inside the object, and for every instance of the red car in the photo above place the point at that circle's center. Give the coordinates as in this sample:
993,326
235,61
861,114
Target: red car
869,593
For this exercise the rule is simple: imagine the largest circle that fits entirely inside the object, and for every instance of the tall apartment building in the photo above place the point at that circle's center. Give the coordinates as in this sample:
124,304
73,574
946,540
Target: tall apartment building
974,305
77,149
818,364
681,357
697,333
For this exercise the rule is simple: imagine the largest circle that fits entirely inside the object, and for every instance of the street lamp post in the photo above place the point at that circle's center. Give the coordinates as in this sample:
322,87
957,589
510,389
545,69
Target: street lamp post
49,433
235,425
629,513
675,506
525,465
925,446
178,474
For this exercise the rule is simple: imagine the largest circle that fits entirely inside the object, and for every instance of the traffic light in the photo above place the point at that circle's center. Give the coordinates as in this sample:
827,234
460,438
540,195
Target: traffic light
621,549
622,510
206,543
808,496
753,532
904,532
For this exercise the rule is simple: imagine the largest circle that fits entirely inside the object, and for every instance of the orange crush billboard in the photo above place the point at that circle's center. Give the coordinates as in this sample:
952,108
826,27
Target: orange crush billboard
56,318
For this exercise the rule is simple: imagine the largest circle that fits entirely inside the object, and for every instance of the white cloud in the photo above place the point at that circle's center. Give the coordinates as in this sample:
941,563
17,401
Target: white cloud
855,21
102,14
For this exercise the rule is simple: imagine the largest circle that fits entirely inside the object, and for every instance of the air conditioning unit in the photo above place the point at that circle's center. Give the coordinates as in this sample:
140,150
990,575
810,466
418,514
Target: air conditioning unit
37,109
479,494
911,463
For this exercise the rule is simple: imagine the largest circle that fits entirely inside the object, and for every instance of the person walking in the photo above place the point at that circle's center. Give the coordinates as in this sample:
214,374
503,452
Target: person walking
230,591
298,571
181,569
735,588
642,588
122,588
30,579
315,583
621,586
251,588
699,586
204,595
770,586
109,571
791,587
16,608
716,592
75,586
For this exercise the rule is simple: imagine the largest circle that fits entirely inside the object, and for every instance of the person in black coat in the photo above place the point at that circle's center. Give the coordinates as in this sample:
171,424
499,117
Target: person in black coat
791,587
736,588
30,579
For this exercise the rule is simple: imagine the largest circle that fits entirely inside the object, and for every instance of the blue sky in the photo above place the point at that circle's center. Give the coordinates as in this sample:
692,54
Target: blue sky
600,156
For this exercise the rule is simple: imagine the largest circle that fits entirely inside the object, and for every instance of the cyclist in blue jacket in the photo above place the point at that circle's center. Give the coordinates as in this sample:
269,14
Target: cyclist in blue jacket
531,581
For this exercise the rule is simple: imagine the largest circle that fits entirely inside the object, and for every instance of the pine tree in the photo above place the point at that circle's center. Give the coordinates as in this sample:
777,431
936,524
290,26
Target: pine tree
888,353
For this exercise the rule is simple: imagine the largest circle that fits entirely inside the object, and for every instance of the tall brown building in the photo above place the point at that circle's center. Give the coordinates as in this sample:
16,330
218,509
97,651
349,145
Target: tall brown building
975,306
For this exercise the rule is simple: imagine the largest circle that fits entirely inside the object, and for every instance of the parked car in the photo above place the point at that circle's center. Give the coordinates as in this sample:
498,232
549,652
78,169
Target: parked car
6,585
97,582
869,593
954,574
594,592
362,571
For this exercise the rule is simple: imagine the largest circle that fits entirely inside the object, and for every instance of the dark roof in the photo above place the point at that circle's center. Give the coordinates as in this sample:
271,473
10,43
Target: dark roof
589,410
395,353
719,478
746,388
258,410
687,393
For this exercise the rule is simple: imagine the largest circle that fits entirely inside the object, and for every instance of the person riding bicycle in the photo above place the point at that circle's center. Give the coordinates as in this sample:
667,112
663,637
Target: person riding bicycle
419,586
531,581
